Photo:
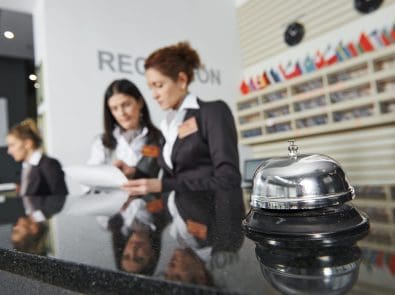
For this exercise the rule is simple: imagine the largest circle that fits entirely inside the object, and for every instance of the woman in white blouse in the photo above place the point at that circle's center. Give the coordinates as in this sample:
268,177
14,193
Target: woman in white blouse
130,141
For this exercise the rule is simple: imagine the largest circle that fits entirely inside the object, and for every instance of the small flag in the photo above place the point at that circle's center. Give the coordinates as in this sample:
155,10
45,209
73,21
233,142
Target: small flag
365,43
341,52
319,60
275,76
351,48
244,89
346,51
260,83
330,55
386,38
252,85
298,70
376,40
291,70
309,64
393,34
360,49
266,78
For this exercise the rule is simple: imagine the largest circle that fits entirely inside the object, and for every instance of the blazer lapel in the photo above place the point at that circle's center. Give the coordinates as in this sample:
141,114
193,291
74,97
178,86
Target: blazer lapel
190,113
34,181
163,164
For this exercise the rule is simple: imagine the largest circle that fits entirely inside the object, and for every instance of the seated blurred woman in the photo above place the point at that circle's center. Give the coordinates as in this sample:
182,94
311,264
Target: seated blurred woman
130,141
42,184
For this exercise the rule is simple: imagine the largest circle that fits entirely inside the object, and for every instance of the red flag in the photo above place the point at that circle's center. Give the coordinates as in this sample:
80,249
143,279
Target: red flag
291,71
244,88
298,70
386,38
365,43
393,34
352,49
319,60
330,55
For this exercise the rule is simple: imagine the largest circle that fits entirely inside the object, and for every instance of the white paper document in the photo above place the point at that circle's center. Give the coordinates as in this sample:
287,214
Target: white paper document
97,176
96,204
4,187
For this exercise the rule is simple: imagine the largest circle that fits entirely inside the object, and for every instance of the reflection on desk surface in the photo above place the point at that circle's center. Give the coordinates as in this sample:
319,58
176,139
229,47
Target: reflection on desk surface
365,268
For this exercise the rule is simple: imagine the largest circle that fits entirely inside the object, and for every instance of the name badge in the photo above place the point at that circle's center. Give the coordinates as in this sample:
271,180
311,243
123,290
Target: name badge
188,127
150,151
155,206
198,230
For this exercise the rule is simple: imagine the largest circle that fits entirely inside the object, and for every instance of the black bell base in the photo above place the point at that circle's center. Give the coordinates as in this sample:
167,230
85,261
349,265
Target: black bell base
330,226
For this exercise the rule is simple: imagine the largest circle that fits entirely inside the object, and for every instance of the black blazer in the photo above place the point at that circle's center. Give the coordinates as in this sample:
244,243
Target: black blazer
147,166
47,189
206,176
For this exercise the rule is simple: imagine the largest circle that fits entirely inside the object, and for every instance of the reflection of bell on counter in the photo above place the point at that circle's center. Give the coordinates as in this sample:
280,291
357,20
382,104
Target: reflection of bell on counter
327,270
301,198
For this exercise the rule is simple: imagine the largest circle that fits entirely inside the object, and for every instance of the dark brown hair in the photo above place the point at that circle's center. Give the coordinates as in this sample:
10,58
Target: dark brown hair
198,275
119,241
173,59
126,87
34,243
27,129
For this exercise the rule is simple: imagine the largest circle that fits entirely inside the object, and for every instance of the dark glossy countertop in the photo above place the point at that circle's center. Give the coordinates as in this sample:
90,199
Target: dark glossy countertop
80,257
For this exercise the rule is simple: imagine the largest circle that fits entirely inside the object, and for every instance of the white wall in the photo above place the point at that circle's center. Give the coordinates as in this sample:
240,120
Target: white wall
380,19
69,34
3,121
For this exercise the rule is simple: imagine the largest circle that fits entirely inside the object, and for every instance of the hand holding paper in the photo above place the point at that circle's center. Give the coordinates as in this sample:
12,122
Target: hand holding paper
127,170
142,186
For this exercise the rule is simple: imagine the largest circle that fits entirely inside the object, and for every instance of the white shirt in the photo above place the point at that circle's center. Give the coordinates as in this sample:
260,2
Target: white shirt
34,159
128,152
136,210
169,125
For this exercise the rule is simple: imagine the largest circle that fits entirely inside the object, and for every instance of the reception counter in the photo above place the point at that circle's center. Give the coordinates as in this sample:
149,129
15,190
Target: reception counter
78,256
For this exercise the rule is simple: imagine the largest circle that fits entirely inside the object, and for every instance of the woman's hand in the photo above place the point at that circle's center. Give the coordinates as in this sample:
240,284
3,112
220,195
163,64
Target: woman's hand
127,170
143,186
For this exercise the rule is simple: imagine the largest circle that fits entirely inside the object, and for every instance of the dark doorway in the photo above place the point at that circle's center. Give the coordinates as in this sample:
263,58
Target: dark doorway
18,92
